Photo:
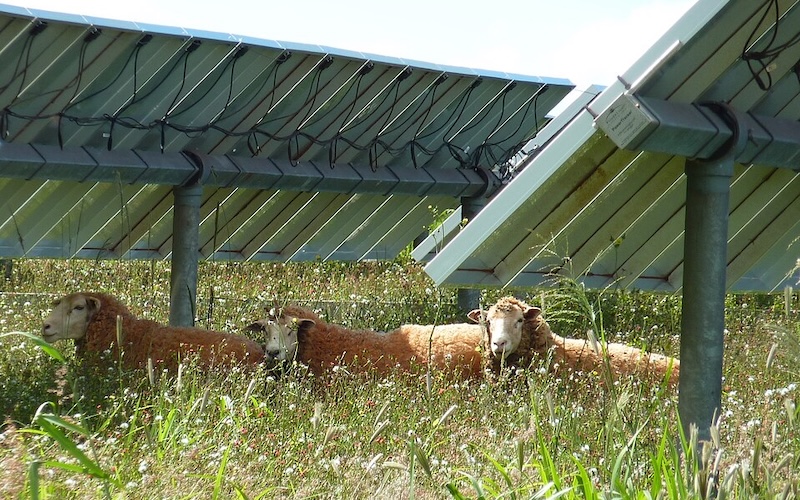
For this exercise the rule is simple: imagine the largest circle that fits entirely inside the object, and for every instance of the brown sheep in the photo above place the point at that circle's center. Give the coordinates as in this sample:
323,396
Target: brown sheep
504,344
322,345
520,333
91,320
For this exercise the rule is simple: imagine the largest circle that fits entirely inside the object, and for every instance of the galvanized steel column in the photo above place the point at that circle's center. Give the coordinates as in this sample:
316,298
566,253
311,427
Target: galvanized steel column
470,298
703,319
185,245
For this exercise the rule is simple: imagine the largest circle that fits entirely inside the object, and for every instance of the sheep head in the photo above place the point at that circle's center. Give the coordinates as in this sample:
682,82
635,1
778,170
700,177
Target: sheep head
70,317
281,332
504,324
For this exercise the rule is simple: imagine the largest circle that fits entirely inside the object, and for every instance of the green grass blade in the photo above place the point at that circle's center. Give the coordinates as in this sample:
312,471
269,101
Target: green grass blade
41,343
60,422
583,483
502,471
33,479
422,458
50,424
220,474
547,468
453,490
76,468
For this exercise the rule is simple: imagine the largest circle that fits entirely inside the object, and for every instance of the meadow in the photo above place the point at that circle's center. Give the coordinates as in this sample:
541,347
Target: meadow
71,431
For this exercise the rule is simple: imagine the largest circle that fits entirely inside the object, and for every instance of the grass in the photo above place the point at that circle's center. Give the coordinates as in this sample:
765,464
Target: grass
73,431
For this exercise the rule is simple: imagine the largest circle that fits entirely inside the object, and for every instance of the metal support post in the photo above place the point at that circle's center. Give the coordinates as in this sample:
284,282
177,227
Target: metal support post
470,298
703,318
705,264
185,244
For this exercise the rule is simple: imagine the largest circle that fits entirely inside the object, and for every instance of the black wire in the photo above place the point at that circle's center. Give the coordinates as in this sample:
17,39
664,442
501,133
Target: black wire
462,103
430,93
112,82
231,63
384,110
185,56
25,68
311,98
764,57
254,94
333,142
22,55
257,149
531,103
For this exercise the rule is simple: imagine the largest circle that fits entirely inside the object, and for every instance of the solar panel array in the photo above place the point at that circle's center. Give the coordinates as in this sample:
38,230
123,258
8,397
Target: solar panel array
305,152
586,207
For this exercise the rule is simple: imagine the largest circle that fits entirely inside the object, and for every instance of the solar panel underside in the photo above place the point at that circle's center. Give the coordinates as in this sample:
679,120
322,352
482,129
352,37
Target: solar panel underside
108,106
614,217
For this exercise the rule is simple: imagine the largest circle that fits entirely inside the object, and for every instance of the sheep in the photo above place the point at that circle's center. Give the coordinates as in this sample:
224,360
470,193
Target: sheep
518,333
321,345
90,319
502,342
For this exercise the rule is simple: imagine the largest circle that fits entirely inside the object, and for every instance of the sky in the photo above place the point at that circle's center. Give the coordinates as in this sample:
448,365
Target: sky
585,41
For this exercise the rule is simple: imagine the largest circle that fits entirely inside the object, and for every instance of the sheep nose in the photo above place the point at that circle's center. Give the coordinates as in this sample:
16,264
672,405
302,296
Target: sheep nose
499,345
273,354
46,327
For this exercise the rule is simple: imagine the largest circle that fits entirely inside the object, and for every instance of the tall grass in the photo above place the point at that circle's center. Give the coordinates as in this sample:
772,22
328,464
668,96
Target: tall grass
74,431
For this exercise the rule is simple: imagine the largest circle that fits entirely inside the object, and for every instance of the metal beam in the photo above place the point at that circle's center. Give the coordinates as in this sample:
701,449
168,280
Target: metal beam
178,169
699,131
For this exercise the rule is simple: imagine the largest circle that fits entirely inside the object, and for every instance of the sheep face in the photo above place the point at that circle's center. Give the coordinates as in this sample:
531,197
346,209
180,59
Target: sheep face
281,334
504,326
70,317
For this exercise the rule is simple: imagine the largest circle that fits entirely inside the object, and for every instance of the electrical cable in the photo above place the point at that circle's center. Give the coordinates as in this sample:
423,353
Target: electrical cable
770,53
382,115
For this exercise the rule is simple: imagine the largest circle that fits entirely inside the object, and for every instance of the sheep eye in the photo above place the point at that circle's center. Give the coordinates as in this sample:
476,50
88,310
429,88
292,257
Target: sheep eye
79,308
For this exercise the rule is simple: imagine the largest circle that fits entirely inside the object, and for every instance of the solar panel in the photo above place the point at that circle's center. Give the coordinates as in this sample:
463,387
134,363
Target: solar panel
296,145
612,213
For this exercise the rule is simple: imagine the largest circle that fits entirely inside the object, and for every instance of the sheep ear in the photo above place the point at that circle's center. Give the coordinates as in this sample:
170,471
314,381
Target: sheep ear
92,306
476,315
256,326
93,303
532,312
304,324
